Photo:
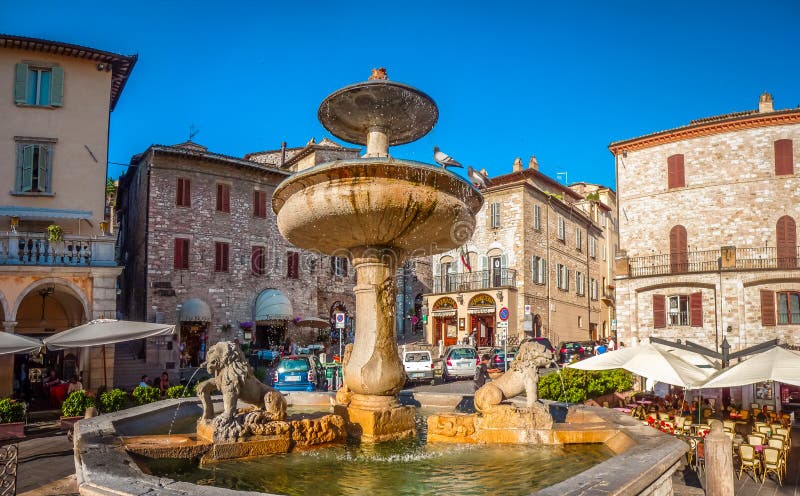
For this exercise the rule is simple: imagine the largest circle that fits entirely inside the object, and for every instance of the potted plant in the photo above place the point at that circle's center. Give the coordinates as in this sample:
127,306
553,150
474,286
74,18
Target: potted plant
74,408
54,233
12,419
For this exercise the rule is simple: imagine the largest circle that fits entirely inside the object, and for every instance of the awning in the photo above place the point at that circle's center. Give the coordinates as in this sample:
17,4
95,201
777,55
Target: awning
105,331
43,213
15,343
480,310
272,304
194,310
444,313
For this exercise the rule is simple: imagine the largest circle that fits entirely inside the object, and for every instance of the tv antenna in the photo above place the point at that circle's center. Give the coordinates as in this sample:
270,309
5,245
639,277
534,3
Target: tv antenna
193,131
564,174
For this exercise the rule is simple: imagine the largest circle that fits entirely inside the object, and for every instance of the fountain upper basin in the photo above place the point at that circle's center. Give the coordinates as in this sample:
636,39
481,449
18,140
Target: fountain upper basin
414,207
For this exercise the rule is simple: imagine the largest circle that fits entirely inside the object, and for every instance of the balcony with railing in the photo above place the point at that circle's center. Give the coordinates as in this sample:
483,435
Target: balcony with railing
35,249
474,281
727,258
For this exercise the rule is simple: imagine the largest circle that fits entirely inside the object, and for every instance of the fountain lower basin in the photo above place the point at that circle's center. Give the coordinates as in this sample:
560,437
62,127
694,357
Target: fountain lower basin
642,463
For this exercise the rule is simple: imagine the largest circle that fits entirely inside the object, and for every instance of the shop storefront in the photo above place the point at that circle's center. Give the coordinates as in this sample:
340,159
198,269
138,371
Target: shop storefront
445,325
272,312
195,319
481,310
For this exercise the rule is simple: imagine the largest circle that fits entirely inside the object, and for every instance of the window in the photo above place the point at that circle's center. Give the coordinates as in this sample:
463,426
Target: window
579,238
592,247
562,228
580,284
181,254
258,260
539,270
595,293
537,217
34,167
678,250
259,203
562,277
784,160
293,265
675,174
580,321
224,198
789,308
339,266
495,212
786,236
221,256
603,251
183,192
678,311
39,86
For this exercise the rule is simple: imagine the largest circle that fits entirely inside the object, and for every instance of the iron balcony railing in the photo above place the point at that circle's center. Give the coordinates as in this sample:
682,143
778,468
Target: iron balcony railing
20,248
474,281
726,259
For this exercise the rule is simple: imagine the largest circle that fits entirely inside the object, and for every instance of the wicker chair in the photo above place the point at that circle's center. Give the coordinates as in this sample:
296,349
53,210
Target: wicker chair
748,461
687,425
772,463
765,429
729,425
755,439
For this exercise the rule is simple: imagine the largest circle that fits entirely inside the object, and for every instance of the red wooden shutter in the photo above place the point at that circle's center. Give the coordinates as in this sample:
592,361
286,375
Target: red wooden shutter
696,309
185,193
219,197
767,308
675,175
659,311
678,248
786,236
225,250
217,257
178,254
259,204
256,198
179,192
784,162
226,198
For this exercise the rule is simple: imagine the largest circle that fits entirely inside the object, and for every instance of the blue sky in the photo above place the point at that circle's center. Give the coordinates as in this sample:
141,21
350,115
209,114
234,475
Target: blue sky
556,79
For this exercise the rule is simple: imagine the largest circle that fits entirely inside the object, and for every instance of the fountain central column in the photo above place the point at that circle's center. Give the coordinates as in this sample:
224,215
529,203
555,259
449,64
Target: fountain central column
374,373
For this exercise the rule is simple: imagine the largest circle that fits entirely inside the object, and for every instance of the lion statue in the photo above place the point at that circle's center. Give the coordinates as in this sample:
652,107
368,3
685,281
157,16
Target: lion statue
234,377
522,375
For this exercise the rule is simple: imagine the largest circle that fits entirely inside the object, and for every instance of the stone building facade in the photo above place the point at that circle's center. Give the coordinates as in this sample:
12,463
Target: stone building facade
56,103
201,247
534,261
708,235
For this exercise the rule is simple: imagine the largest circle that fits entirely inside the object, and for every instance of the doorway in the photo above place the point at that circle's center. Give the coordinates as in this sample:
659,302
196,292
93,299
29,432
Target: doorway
483,326
445,329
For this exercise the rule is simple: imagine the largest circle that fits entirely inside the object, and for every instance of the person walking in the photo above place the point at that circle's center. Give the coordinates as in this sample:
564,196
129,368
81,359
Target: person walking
482,372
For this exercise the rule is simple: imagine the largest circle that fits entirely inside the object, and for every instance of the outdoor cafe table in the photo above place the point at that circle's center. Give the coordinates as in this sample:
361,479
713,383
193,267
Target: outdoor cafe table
623,410
58,393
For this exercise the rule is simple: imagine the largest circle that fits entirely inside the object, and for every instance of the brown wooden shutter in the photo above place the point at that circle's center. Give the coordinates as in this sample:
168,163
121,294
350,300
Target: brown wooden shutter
696,309
678,248
675,175
186,198
784,162
219,197
225,250
786,236
178,254
767,308
179,192
659,311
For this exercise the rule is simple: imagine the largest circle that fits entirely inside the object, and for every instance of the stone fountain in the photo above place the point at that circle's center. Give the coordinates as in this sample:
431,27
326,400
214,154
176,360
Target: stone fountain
377,211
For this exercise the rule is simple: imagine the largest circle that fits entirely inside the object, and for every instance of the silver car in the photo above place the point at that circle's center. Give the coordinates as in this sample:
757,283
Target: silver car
460,362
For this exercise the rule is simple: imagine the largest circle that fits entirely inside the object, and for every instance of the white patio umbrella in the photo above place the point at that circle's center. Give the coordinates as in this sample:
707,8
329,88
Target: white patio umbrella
649,361
776,364
15,343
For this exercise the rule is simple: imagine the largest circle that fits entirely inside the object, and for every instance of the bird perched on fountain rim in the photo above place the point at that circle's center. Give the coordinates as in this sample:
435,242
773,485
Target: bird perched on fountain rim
478,179
444,159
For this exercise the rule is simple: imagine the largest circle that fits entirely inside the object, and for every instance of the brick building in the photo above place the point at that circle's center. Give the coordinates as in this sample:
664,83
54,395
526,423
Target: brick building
708,233
536,244
201,247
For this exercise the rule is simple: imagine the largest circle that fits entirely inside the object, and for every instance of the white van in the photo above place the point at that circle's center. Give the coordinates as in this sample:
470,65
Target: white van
418,365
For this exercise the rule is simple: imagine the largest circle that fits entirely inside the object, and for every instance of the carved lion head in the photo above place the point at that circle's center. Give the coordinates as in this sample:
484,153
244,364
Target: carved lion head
222,355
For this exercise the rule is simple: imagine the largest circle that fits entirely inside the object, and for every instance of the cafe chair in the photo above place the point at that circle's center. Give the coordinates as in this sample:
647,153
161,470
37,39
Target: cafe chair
765,429
772,463
729,425
755,440
748,461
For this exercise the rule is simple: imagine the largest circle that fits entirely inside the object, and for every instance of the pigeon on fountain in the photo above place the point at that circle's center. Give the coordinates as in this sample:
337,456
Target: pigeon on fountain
477,179
444,159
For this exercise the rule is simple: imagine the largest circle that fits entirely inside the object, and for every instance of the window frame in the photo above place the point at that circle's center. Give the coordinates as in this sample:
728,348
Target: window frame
185,245
788,315
339,266
682,317
223,205
222,256
258,260
292,265
593,247
23,73
259,203
183,192
537,217
42,144
562,229
495,219
579,239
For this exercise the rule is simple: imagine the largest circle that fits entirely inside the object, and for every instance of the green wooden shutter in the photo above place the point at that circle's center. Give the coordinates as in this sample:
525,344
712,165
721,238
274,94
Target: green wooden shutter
57,86
44,178
27,168
21,83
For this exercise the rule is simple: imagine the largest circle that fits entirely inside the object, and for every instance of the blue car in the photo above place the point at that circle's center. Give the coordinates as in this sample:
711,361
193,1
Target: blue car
299,373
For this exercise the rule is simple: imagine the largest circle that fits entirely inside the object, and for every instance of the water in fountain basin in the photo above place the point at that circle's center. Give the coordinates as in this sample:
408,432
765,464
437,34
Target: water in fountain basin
177,408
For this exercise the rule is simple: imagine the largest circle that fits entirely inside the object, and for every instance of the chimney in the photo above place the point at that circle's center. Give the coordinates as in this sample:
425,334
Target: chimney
765,103
517,164
533,163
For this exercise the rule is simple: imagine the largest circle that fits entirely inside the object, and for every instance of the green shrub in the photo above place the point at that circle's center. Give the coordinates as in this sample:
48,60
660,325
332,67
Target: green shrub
143,395
113,401
12,411
580,385
76,404
181,391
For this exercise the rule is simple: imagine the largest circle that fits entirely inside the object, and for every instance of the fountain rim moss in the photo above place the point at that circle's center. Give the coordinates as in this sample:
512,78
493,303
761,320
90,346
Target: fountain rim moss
379,167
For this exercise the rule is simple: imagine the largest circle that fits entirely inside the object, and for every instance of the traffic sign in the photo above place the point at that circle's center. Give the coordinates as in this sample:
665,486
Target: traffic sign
503,314
339,317
502,325
527,309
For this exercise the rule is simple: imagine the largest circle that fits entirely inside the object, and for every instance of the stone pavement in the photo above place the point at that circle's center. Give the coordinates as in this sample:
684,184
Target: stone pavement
791,483
43,461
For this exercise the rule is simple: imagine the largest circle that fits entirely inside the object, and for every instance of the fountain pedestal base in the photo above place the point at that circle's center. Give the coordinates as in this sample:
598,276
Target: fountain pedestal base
503,423
378,424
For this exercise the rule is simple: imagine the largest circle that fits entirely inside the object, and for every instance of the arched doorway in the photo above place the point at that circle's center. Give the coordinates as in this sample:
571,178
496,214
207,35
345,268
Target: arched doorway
445,328
482,322
46,308
271,313
194,318
786,234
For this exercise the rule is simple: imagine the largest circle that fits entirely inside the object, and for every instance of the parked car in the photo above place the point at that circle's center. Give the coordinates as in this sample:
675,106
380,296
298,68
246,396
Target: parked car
571,351
418,366
299,373
499,356
460,362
